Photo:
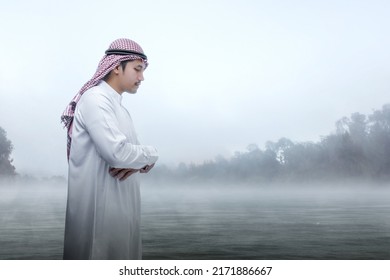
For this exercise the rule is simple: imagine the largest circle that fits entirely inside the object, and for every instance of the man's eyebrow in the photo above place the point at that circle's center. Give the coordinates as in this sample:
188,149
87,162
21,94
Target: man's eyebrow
139,66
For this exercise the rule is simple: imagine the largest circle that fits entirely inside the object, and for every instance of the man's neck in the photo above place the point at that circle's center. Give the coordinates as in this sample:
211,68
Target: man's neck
115,85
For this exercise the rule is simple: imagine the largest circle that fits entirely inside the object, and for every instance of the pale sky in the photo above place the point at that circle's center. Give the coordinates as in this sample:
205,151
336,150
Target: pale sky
222,74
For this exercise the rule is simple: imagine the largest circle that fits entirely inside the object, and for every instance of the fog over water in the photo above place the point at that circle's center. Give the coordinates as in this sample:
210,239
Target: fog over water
217,222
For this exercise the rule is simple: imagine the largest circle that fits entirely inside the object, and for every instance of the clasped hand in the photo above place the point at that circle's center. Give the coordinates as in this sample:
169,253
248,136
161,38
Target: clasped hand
124,173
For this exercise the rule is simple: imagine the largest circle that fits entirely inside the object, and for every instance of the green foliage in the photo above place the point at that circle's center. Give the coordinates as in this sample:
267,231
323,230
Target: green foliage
6,147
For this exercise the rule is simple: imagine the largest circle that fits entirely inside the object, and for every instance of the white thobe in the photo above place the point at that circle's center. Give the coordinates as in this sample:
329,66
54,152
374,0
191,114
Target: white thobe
103,213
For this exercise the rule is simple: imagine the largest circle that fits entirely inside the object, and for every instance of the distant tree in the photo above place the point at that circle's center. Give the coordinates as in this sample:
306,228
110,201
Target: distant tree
280,148
6,147
378,146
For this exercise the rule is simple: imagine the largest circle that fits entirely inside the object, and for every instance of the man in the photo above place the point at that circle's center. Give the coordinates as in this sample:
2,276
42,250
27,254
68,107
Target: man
105,157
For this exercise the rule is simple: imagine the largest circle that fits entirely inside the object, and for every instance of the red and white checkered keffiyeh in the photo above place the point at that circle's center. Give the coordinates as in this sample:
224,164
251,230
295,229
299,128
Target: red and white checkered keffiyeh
108,63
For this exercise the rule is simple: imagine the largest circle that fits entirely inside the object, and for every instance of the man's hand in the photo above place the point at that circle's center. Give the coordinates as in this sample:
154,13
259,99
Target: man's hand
122,173
146,168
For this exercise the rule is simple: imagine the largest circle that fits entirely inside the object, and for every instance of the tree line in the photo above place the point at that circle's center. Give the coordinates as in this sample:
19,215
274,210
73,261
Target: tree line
359,148
6,147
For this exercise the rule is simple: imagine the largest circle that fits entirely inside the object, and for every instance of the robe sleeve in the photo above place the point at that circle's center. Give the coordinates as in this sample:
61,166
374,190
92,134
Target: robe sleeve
99,120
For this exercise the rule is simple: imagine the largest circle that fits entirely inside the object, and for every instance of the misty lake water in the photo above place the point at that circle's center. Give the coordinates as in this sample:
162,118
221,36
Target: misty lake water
200,222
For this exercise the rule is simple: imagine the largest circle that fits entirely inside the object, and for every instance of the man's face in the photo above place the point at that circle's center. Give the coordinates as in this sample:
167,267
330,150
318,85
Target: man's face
130,79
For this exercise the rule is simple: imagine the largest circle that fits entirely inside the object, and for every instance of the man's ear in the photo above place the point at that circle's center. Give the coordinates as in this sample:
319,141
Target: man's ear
116,69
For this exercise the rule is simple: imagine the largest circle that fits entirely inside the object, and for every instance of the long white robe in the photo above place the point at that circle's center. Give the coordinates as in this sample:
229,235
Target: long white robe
103,213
